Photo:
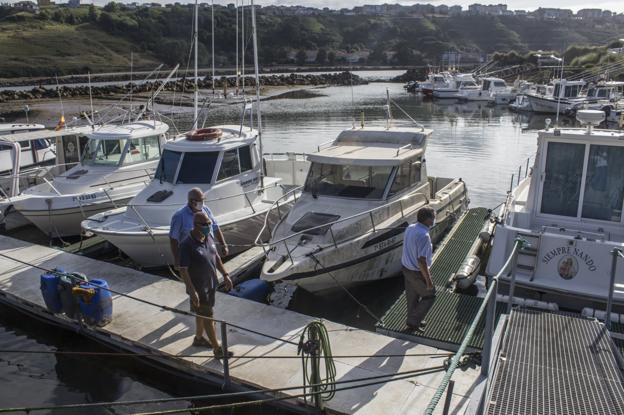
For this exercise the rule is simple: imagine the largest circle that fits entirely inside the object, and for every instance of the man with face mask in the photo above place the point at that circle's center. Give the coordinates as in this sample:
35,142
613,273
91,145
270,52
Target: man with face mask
199,262
416,261
182,223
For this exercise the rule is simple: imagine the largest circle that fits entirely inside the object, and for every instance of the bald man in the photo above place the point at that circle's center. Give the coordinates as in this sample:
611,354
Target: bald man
199,262
182,223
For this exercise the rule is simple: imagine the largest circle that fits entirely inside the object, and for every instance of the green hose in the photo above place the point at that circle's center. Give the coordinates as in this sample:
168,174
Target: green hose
314,347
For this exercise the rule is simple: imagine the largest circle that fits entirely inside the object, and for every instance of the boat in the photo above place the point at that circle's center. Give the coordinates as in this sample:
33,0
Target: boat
560,97
226,163
456,87
568,212
520,103
362,191
117,163
494,90
12,128
433,81
33,152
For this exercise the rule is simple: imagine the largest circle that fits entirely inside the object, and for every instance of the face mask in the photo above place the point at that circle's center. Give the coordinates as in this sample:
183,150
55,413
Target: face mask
205,230
196,205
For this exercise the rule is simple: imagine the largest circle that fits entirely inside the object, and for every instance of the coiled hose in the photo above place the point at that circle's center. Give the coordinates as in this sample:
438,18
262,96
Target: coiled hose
314,347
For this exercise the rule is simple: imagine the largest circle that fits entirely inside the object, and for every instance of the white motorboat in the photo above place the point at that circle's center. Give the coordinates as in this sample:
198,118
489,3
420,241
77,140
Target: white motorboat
569,212
435,81
33,152
520,104
493,90
457,86
12,128
561,97
361,193
228,170
118,162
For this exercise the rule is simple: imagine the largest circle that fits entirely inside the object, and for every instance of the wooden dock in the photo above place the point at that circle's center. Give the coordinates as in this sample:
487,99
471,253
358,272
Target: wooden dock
167,337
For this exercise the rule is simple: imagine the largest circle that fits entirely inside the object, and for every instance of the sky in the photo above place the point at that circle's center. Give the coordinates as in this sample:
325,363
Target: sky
575,5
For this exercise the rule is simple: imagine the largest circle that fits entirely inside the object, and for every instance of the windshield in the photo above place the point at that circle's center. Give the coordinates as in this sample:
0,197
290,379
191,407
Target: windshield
198,167
168,165
362,182
104,152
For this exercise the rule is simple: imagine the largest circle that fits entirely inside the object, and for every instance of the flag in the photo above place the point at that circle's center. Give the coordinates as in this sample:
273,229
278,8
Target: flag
61,123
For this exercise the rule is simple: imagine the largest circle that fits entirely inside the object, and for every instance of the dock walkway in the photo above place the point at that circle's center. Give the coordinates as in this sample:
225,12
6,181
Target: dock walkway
167,336
452,313
555,363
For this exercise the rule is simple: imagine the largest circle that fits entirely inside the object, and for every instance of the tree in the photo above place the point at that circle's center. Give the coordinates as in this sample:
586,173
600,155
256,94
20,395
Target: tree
331,57
321,56
93,15
301,57
111,7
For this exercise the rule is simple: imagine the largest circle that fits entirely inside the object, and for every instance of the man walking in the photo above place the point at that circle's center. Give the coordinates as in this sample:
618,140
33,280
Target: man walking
199,262
182,223
416,261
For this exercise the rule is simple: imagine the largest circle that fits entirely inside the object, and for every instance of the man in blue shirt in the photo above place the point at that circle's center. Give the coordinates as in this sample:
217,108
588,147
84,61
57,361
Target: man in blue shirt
182,223
416,261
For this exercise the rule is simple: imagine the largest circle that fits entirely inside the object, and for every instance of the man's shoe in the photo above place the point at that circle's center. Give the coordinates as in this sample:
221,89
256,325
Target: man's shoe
220,355
201,342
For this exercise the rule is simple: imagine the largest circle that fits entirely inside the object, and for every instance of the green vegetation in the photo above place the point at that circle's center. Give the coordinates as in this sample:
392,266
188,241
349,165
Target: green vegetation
60,40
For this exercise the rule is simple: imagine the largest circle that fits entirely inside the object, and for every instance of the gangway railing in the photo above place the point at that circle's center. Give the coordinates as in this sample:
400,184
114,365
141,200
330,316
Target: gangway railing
616,252
488,306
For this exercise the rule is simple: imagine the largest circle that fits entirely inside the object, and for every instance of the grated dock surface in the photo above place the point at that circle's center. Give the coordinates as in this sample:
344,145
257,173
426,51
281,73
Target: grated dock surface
555,363
452,313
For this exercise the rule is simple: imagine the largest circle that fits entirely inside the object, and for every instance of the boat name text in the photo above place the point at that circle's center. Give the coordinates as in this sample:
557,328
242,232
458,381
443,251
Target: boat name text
573,251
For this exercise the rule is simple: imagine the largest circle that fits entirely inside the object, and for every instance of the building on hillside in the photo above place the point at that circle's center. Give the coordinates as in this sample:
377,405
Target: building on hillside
549,13
442,9
589,13
73,3
520,12
490,9
27,6
607,14
44,3
455,10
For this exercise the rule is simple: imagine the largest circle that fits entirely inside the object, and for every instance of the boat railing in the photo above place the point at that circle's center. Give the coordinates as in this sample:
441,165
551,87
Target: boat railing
325,144
372,216
519,177
35,172
616,253
487,308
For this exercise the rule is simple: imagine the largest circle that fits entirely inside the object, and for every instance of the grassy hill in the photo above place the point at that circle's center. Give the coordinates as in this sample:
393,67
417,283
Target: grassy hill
60,40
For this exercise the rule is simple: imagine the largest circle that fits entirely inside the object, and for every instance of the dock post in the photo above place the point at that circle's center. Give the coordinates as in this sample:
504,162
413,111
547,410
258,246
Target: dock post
449,396
616,252
490,317
226,360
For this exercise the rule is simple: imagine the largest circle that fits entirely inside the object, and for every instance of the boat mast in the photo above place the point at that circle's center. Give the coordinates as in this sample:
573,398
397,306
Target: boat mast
213,50
195,40
243,44
236,41
257,76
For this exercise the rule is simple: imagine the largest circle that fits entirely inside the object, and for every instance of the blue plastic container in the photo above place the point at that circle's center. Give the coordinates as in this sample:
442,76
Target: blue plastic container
97,310
68,302
255,290
50,292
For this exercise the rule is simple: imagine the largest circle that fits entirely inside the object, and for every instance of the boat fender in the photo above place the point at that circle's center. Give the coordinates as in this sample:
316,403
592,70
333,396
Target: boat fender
204,134
467,273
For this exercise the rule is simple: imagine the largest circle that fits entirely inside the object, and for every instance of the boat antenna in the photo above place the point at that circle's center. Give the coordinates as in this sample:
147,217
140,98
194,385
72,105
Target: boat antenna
236,41
352,100
195,40
91,100
212,35
257,75
58,90
560,88
131,79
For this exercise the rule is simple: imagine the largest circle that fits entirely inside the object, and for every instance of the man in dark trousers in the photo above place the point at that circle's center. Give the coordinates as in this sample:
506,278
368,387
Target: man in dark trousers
199,261
416,261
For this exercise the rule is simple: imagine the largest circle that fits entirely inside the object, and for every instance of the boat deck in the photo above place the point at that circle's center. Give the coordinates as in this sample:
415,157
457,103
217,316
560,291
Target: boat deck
555,363
164,337
452,313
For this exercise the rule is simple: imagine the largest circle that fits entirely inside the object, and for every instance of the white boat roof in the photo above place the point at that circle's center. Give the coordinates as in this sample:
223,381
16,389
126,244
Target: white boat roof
45,134
232,137
373,147
133,130
7,127
581,134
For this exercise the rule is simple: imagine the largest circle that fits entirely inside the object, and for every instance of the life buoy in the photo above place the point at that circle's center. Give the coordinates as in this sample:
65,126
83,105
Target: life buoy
204,134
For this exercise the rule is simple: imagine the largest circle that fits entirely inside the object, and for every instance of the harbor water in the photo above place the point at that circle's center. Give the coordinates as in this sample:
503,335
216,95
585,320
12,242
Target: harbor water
483,145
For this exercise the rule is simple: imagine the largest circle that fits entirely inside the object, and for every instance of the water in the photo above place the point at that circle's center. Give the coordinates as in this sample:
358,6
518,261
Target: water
482,145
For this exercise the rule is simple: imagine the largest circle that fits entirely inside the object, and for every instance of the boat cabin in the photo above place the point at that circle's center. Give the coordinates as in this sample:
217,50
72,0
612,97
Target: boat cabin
606,91
567,89
493,84
371,164
124,145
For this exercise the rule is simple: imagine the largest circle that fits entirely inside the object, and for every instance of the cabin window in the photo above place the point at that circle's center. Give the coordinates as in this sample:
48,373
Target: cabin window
408,174
40,144
604,183
500,84
25,145
244,155
104,152
197,167
168,165
229,165
486,85
562,182
362,182
142,149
